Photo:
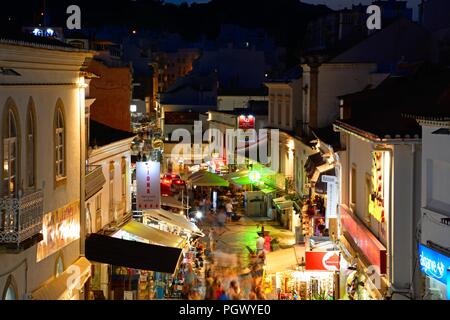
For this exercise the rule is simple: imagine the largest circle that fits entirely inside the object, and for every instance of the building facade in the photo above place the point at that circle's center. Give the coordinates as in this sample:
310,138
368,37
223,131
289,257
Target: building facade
43,146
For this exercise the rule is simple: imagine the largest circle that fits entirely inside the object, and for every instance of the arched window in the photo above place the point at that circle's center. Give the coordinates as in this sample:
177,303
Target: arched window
11,150
10,291
31,146
60,144
123,169
59,269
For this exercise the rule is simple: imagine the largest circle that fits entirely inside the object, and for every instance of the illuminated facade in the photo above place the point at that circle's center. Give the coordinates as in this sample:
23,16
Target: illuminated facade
43,107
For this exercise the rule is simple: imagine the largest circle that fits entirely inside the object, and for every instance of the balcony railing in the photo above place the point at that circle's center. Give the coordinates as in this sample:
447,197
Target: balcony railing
95,179
21,218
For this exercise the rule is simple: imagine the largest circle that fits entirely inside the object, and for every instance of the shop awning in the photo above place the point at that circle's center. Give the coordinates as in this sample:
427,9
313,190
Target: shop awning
207,179
60,288
242,177
152,235
312,163
173,219
320,170
132,254
283,203
172,202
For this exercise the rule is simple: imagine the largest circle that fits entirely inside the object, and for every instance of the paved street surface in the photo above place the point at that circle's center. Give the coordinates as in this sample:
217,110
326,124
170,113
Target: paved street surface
238,235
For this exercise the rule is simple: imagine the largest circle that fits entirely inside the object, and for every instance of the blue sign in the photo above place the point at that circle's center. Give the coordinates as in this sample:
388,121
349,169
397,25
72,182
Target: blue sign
448,284
434,264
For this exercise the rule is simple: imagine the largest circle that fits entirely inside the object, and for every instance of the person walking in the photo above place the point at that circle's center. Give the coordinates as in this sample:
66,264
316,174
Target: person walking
211,237
260,245
229,210
221,219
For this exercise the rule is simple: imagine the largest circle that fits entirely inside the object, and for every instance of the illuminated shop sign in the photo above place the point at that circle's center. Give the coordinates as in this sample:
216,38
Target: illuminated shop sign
434,264
148,185
378,198
246,122
369,245
322,261
59,228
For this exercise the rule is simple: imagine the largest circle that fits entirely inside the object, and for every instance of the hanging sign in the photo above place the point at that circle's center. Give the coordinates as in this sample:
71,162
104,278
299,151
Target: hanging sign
148,185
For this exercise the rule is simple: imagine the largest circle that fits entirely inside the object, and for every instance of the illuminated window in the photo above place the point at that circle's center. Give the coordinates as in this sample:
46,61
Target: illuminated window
11,149
60,144
31,150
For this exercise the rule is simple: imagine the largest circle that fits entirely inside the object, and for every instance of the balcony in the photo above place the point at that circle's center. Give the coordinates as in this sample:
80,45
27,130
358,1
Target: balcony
94,180
21,220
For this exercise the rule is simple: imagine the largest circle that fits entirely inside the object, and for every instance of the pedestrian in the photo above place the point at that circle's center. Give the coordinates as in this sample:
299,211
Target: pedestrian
267,243
211,240
234,292
260,245
221,218
229,210
260,293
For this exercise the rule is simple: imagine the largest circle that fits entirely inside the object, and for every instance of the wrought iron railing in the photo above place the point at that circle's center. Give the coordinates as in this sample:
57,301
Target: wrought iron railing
21,217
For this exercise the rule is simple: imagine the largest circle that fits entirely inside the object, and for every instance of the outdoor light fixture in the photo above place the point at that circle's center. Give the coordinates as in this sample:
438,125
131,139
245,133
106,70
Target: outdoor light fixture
254,176
198,215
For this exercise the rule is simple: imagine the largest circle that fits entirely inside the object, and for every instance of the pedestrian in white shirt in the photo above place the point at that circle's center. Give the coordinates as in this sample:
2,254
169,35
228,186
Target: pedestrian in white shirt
260,245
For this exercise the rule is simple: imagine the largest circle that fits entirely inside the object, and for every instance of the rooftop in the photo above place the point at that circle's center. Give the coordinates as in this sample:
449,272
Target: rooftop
102,135
389,111
24,39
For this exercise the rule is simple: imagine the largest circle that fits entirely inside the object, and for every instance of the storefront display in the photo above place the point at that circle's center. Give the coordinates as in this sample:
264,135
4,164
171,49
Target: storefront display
305,285
435,266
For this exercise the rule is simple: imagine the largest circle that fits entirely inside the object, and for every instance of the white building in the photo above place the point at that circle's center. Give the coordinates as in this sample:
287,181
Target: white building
42,96
435,226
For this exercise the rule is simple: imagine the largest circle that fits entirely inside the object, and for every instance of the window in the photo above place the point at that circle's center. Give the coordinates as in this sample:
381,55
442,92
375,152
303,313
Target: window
60,144
11,149
31,149
353,186
59,269
98,212
123,169
111,191
280,107
369,189
10,291
287,100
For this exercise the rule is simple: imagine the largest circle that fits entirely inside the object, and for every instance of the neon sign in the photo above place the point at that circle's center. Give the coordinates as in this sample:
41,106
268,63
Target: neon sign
433,263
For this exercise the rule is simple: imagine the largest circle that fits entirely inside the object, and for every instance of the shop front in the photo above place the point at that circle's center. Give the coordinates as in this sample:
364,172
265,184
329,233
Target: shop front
128,264
435,266
304,272
364,263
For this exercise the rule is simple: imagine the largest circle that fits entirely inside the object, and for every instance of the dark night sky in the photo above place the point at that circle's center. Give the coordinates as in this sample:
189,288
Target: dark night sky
334,4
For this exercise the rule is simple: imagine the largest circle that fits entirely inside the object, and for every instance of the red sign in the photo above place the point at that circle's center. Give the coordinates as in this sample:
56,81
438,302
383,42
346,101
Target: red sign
322,260
367,243
246,122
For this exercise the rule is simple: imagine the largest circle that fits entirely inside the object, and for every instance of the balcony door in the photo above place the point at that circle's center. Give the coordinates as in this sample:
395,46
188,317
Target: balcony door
10,156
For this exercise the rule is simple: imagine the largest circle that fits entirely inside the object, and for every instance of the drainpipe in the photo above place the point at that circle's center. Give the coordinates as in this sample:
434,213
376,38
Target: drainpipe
81,98
413,246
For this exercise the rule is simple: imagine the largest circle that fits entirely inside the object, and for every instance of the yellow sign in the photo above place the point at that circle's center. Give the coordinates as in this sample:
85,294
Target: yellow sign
59,228
376,196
